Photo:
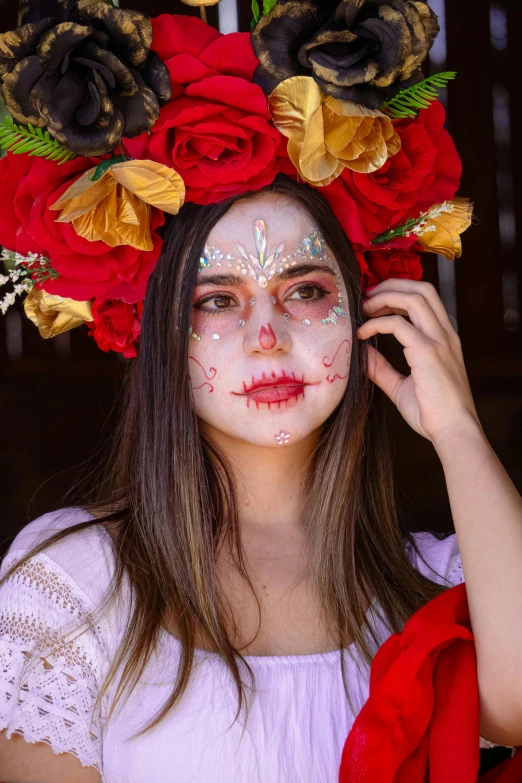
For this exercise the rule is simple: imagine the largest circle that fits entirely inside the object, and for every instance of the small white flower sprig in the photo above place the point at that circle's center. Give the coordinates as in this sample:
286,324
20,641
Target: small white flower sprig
30,269
416,225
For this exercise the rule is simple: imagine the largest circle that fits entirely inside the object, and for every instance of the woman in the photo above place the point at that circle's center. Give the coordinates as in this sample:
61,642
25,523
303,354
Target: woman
246,522
251,451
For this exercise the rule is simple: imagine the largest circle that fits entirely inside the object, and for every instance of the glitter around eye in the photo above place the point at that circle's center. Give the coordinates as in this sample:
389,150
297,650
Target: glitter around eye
306,322
273,299
252,301
286,316
241,322
215,336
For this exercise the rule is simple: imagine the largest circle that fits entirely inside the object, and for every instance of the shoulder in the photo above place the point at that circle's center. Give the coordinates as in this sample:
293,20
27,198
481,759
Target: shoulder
54,654
436,558
83,559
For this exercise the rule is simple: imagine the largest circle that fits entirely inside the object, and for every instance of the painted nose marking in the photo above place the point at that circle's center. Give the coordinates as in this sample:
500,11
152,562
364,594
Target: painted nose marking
267,338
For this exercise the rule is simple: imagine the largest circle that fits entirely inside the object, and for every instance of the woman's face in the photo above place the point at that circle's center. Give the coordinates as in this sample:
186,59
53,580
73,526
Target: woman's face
271,337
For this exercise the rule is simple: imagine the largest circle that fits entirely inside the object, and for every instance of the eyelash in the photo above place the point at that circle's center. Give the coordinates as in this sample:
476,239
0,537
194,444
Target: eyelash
219,311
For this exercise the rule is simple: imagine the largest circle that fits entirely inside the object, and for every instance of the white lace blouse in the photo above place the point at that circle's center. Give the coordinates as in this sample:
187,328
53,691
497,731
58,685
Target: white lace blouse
299,719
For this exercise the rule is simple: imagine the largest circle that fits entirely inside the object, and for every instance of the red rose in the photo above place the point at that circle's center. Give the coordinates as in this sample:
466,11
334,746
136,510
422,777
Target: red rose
217,131
192,51
86,269
425,171
379,265
116,326
221,146
367,278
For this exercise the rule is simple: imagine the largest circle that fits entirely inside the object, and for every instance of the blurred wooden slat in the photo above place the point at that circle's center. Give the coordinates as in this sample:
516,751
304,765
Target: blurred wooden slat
511,77
478,272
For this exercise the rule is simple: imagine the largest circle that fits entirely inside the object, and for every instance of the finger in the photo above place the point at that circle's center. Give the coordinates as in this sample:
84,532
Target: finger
381,372
426,289
407,334
417,307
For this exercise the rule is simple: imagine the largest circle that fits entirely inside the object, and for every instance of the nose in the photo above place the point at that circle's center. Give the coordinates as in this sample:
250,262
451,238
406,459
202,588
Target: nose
266,337
267,332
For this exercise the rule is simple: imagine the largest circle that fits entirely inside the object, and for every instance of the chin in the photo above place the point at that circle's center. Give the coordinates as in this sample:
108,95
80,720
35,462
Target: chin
277,431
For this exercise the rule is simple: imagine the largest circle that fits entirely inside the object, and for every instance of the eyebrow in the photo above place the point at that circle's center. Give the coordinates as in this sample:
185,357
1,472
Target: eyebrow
287,274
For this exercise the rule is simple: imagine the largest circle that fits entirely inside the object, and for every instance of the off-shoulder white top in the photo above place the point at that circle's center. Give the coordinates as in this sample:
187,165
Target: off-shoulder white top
299,719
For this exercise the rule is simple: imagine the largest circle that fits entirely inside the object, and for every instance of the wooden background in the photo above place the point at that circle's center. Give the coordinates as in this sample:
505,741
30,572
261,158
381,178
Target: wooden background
59,397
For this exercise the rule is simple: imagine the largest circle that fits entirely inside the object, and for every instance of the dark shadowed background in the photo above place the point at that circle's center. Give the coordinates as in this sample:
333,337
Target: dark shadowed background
59,397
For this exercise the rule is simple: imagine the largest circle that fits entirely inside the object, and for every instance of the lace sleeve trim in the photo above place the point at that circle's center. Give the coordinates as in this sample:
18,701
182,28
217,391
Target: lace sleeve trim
50,677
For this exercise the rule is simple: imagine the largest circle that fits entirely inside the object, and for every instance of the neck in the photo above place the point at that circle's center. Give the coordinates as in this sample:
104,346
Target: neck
269,481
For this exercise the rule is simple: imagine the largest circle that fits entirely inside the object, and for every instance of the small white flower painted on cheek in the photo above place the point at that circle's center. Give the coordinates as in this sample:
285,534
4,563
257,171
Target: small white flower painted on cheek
282,437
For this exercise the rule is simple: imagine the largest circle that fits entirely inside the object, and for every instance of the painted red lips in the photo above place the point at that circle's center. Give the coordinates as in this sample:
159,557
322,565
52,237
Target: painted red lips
273,388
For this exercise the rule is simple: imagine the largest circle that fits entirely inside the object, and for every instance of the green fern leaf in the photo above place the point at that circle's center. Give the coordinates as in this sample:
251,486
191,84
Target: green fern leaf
408,102
18,139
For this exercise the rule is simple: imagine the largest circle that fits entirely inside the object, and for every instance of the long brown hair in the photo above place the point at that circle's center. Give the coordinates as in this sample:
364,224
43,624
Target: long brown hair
171,496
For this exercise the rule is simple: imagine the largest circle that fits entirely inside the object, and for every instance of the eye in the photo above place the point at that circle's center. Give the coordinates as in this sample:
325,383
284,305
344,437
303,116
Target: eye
221,302
306,292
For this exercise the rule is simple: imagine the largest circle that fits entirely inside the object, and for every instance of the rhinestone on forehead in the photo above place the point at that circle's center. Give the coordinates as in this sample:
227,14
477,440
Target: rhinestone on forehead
260,262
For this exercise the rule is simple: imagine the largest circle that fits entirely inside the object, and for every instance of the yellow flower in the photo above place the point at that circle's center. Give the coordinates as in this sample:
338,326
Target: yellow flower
440,230
55,314
115,208
327,134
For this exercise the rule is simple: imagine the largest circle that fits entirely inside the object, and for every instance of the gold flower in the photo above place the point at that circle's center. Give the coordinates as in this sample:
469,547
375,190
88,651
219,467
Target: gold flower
55,314
115,208
440,230
327,134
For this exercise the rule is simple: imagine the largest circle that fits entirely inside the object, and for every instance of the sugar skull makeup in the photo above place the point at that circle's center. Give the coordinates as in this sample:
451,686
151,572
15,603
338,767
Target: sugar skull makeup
270,339
262,267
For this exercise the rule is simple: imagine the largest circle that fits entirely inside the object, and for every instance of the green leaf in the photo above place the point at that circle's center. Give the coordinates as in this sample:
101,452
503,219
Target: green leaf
105,165
19,139
256,12
268,5
408,102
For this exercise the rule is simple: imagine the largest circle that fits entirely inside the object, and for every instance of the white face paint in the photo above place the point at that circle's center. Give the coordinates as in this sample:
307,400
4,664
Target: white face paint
271,338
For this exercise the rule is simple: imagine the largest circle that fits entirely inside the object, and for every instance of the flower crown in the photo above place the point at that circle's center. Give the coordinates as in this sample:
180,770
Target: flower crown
116,119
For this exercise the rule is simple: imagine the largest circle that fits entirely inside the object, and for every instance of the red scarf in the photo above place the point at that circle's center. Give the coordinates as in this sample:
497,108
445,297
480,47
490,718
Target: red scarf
421,720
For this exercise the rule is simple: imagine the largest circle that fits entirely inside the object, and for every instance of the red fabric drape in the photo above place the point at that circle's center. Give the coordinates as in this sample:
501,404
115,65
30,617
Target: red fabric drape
420,723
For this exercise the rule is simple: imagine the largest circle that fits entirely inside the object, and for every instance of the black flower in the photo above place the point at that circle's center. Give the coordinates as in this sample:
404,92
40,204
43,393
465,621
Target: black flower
83,69
360,50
